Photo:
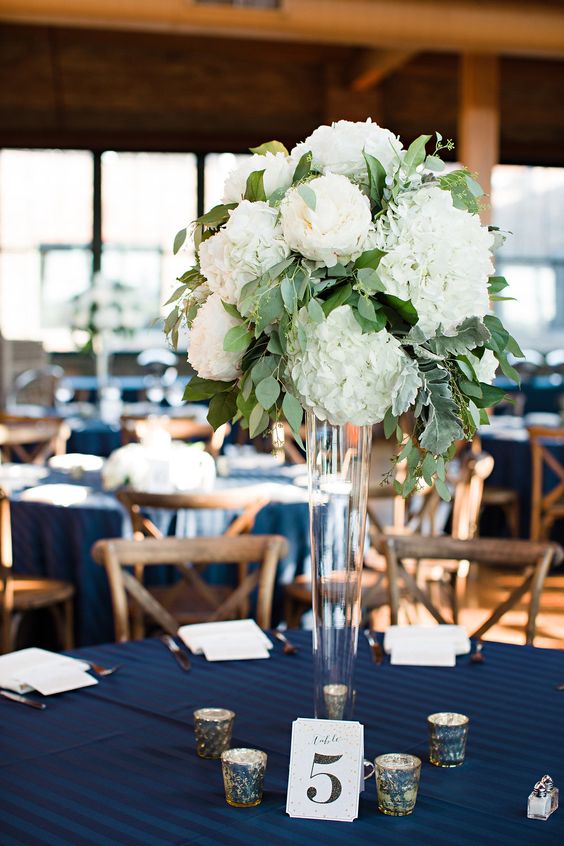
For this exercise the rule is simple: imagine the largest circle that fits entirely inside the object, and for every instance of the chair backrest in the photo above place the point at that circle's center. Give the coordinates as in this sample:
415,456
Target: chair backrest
249,500
468,493
532,557
37,386
185,554
179,428
32,440
543,503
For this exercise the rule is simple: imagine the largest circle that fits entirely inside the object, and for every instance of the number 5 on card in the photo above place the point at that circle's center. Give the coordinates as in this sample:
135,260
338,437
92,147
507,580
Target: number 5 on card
326,763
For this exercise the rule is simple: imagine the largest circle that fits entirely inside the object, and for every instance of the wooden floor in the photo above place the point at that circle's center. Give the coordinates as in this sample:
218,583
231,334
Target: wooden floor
486,589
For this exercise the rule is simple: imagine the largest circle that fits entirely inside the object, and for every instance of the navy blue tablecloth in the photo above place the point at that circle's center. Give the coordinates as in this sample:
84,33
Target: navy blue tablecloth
55,541
115,764
542,393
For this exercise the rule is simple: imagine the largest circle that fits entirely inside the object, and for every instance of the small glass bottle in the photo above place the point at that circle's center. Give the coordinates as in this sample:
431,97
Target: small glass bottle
551,790
539,806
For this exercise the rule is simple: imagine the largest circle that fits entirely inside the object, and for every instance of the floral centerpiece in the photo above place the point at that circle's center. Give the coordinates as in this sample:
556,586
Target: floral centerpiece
351,278
106,307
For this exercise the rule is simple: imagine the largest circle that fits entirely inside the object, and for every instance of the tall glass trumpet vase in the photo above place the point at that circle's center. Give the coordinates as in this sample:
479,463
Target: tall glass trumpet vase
338,468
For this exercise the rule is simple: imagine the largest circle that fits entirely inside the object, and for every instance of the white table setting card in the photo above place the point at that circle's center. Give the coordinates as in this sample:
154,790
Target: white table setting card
229,640
39,669
425,652
326,768
447,633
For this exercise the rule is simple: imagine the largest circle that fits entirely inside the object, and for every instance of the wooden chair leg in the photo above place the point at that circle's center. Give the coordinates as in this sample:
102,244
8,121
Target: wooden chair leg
512,518
293,612
68,624
6,633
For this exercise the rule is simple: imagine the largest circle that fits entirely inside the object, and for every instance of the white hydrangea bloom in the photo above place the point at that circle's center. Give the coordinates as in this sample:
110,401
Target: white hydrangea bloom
278,172
344,376
438,256
126,465
339,148
485,367
205,345
336,231
249,243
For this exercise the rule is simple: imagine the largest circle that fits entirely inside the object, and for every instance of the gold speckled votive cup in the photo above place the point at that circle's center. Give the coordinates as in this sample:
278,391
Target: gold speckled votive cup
447,738
243,776
213,728
397,783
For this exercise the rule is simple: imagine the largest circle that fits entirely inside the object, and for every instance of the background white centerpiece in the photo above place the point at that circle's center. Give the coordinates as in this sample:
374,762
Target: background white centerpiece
355,279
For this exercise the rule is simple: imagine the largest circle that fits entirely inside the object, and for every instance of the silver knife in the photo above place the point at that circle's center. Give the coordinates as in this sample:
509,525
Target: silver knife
15,697
376,648
178,653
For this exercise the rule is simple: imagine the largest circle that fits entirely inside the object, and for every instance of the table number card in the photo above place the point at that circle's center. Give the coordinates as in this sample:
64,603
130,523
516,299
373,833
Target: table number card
326,766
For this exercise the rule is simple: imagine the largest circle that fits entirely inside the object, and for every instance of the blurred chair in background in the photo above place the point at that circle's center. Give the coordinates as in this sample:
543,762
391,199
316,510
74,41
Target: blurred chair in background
36,387
191,556
532,364
19,594
547,506
159,367
133,429
533,559
32,440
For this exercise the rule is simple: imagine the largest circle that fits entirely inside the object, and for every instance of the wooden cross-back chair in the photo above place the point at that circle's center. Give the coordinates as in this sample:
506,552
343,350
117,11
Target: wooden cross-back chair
247,500
32,440
187,554
533,559
179,429
19,594
546,508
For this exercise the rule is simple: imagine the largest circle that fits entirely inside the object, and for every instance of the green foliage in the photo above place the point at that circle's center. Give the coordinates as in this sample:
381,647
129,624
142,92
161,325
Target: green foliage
415,154
237,339
440,414
200,389
179,240
254,189
308,195
464,189
376,180
303,169
269,147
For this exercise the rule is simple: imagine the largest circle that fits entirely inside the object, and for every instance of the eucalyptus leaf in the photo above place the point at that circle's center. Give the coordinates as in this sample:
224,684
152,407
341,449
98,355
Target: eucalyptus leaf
369,258
288,292
308,196
177,294
303,168
258,420
491,394
336,299
231,309
434,163
270,308
415,154
263,368
376,179
222,408
237,339
200,389
366,308
269,147
293,412
254,190
442,490
315,311
274,345
216,216
179,240
267,392
390,423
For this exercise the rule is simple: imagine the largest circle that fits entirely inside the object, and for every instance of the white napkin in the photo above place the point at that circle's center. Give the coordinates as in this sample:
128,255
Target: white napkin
47,672
231,640
426,646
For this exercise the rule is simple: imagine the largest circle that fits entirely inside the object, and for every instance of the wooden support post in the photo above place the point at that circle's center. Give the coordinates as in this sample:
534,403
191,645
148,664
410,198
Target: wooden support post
478,119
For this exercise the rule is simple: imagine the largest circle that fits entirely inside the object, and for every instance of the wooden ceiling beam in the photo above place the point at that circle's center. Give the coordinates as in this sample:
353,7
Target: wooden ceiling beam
504,27
372,66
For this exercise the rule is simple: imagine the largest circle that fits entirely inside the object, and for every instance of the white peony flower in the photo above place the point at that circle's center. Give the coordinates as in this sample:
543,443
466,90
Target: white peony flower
242,250
485,367
344,376
336,230
339,148
278,172
128,465
205,349
438,256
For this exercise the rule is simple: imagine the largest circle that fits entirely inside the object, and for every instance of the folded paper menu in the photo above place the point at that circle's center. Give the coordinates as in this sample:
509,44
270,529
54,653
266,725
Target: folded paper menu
426,646
46,672
232,640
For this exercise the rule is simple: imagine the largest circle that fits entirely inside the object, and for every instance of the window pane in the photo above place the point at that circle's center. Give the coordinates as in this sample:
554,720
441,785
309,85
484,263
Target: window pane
217,168
45,237
146,199
529,203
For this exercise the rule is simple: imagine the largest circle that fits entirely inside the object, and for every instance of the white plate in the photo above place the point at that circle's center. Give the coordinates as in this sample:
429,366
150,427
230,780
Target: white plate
56,494
76,461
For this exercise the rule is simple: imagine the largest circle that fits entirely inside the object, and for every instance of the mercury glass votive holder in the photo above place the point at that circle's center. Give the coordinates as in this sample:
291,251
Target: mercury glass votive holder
243,776
397,783
335,698
447,738
213,727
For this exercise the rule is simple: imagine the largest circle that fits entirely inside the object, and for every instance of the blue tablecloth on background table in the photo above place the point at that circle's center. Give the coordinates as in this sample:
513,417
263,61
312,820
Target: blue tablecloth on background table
115,764
542,393
55,541
94,437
